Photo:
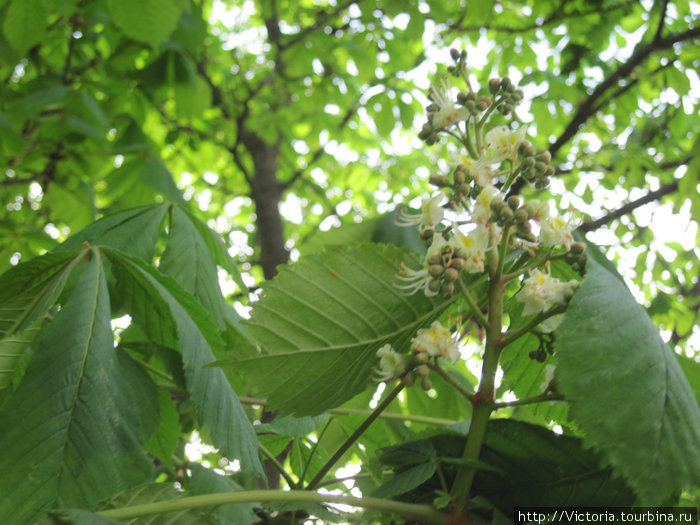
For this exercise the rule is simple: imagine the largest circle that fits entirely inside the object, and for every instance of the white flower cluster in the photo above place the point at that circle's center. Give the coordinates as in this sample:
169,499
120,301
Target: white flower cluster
429,343
541,292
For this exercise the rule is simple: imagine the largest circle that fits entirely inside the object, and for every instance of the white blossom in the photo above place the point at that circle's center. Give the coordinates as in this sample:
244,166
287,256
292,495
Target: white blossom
436,341
541,291
502,143
555,231
410,281
481,211
448,113
391,363
431,213
473,247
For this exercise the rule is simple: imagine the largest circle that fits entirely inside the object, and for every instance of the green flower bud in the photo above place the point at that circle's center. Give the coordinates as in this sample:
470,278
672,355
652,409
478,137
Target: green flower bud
544,156
505,83
528,162
426,384
494,85
459,263
409,379
454,53
436,270
439,180
423,370
460,176
447,289
451,274
434,259
513,202
506,213
434,285
578,248
525,149
420,357
521,216
427,234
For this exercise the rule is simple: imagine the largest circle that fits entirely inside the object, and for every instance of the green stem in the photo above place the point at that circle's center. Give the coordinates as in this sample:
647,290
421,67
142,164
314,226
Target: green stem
468,141
476,311
412,510
280,468
529,400
483,400
451,380
365,412
512,335
415,418
354,436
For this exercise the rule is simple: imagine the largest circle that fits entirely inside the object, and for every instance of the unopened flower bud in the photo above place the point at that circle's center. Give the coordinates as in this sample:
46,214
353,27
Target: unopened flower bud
494,85
506,213
436,270
460,176
434,259
454,53
426,384
528,162
525,227
513,202
505,83
451,274
439,180
427,234
447,289
526,149
459,263
540,167
434,286
462,97
420,357
423,370
521,216
544,156
409,379
578,248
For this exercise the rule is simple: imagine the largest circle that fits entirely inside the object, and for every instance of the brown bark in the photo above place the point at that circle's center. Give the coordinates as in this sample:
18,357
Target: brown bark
266,191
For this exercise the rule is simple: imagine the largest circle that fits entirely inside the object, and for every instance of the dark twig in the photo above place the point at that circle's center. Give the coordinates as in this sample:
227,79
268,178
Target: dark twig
629,207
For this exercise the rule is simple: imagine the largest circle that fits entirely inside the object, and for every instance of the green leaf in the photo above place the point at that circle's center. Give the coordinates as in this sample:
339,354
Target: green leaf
172,318
134,231
25,24
12,348
544,469
406,480
189,261
218,249
320,322
73,429
156,175
206,481
164,440
28,290
149,21
529,466
626,390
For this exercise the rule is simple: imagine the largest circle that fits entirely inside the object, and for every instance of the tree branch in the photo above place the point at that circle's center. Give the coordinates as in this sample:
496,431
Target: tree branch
558,14
629,207
588,107
301,35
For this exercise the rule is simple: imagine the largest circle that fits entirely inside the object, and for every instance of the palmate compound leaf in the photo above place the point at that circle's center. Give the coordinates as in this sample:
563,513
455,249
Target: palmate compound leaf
172,318
320,322
626,389
72,431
